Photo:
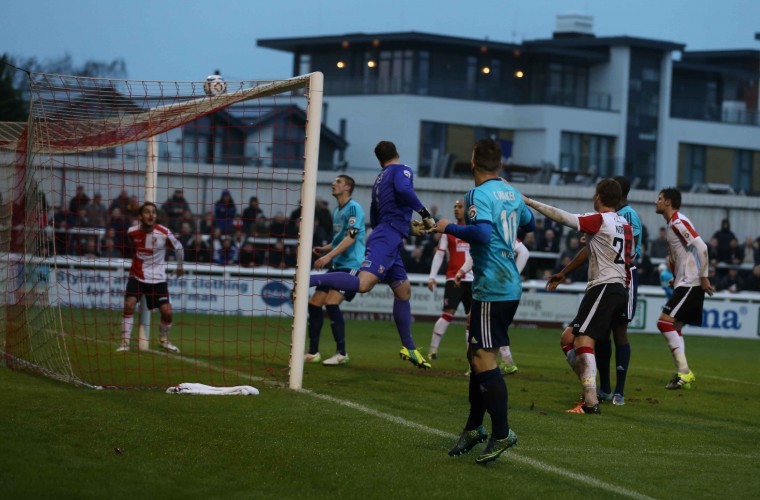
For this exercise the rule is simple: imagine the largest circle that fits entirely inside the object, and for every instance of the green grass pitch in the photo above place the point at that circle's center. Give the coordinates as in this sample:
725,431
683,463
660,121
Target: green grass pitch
380,428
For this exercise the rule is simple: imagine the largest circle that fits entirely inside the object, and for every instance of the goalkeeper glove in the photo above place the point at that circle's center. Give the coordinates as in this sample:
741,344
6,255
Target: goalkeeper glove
417,228
427,220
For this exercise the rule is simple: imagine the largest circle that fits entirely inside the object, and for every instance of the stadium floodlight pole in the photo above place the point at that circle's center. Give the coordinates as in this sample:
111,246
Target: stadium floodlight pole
306,228
151,177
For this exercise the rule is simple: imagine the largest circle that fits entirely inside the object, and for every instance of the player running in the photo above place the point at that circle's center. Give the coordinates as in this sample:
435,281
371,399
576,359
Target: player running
147,276
393,201
346,253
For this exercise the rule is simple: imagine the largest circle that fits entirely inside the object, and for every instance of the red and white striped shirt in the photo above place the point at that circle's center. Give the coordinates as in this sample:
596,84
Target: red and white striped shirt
149,258
681,236
609,247
458,252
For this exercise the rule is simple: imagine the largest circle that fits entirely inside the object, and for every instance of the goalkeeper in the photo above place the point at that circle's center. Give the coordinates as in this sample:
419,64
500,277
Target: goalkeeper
147,276
393,201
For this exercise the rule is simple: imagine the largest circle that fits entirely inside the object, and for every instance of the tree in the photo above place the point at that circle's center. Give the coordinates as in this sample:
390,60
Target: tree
13,108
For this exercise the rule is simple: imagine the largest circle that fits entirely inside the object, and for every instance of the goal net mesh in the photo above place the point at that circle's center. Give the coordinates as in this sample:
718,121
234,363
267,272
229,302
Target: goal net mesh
230,166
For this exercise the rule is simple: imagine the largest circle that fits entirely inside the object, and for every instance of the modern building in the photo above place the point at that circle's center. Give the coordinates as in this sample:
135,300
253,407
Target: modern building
566,109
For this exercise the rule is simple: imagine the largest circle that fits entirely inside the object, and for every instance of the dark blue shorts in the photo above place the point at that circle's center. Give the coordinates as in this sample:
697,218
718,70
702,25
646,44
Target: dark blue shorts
383,258
349,296
489,323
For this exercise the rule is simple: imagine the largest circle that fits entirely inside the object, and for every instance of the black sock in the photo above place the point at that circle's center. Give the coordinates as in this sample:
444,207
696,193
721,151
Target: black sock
603,354
494,393
477,404
316,318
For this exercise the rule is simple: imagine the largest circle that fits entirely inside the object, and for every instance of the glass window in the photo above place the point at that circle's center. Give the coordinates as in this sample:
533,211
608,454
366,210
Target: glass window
742,170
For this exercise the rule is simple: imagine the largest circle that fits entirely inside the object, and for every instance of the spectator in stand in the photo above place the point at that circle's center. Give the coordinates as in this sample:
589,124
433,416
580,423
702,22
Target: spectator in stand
323,230
647,271
207,224
97,212
749,251
557,230
580,274
659,247
247,257
548,242
724,237
712,276
756,247
199,249
732,281
79,201
712,251
279,226
416,263
133,209
572,233
251,214
735,252
175,208
225,212
186,234
90,249
119,224
530,242
281,256
261,227
62,221
752,283
121,202
188,217
227,253
109,249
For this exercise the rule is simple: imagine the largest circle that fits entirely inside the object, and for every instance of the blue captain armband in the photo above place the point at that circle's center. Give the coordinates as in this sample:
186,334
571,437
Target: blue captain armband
530,226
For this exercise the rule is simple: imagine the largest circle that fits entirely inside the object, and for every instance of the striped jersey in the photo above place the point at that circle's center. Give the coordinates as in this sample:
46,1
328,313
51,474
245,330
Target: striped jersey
350,215
633,219
610,244
149,258
681,236
495,275
458,251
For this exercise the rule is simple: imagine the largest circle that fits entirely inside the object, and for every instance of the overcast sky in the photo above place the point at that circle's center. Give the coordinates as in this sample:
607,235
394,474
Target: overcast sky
188,39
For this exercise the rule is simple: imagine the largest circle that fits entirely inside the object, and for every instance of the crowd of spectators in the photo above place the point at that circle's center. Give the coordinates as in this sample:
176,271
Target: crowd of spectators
89,227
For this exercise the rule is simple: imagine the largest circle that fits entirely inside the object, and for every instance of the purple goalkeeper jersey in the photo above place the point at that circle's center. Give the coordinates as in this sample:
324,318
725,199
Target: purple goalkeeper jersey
394,199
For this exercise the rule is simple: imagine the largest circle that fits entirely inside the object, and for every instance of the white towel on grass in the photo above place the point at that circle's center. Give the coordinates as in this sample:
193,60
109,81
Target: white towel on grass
191,388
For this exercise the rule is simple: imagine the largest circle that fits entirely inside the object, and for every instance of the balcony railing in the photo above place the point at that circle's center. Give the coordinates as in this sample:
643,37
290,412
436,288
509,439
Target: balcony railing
692,109
458,89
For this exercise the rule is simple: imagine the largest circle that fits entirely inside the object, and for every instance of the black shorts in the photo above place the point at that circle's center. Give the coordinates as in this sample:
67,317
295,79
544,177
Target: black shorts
685,305
349,296
453,295
602,307
489,323
156,294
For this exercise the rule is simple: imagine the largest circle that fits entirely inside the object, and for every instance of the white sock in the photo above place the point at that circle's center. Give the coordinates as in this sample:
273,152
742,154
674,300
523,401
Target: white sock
126,326
570,358
506,355
163,329
587,376
439,330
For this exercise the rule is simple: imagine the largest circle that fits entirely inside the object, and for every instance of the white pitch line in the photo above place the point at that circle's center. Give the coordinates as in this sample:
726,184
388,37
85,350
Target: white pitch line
537,464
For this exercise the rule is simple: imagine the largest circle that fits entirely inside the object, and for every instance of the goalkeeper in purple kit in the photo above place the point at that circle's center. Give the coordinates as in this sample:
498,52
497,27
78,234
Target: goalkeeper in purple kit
393,201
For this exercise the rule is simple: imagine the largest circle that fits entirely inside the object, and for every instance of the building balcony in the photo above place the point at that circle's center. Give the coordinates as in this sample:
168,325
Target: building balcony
729,112
457,89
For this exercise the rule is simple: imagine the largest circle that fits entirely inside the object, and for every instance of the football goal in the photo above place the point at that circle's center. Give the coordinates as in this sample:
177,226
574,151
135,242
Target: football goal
228,165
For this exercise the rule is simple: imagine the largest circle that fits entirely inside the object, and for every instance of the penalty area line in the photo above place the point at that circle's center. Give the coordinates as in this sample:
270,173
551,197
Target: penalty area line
536,464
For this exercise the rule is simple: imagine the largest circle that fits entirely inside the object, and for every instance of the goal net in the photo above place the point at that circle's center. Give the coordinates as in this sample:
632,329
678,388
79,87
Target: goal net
229,166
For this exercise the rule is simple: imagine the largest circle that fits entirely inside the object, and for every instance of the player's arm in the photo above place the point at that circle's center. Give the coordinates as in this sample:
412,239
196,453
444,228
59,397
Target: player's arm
556,279
404,186
522,254
322,250
703,261
179,254
554,213
466,268
344,245
435,266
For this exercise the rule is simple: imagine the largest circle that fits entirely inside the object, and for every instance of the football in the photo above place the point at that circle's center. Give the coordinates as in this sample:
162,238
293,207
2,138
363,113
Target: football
214,85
